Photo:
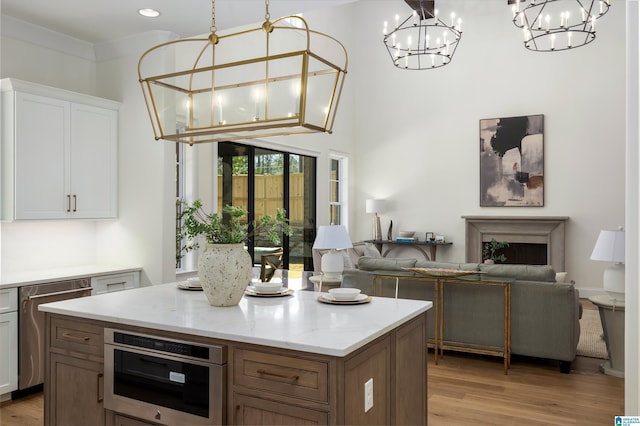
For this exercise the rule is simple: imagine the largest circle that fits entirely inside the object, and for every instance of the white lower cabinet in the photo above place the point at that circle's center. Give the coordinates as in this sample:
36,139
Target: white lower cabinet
8,342
115,282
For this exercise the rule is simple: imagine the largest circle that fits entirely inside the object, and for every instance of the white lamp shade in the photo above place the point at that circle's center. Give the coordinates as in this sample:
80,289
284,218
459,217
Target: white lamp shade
609,247
332,237
375,206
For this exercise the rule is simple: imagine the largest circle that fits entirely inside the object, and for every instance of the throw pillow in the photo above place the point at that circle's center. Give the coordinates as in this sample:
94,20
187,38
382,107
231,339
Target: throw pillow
371,250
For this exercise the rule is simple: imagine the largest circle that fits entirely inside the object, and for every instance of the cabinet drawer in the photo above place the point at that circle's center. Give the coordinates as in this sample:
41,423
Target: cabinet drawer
77,336
259,411
8,300
115,282
293,376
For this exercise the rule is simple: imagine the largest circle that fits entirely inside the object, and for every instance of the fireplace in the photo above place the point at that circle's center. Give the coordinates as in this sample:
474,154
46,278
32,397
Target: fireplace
532,240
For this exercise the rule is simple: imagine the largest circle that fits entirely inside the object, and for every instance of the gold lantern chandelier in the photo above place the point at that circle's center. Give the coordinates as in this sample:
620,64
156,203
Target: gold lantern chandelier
281,78
555,25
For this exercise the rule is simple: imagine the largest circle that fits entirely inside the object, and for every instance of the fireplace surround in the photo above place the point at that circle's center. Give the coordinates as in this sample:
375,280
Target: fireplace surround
548,230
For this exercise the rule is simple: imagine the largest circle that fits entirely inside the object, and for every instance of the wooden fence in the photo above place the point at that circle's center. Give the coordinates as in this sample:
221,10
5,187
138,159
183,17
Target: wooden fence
268,195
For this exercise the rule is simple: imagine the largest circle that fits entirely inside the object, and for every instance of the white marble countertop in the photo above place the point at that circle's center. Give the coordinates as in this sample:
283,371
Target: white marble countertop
297,322
20,279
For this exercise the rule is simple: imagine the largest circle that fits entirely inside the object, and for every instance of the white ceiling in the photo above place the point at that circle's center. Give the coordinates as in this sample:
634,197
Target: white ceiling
102,20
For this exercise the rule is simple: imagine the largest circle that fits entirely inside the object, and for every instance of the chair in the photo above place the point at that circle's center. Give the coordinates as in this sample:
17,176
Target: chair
269,263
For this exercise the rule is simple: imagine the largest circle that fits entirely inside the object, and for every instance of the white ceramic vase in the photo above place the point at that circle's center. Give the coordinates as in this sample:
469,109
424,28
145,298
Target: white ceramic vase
225,272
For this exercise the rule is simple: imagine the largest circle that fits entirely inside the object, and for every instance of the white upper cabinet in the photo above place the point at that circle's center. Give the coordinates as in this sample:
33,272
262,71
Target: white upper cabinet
59,154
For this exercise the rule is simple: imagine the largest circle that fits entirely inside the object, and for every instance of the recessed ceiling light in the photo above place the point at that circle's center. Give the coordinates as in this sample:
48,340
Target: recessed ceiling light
149,13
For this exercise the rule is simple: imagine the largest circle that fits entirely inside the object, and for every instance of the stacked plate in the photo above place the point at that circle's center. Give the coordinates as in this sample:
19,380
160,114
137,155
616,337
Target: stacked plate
344,296
267,289
192,283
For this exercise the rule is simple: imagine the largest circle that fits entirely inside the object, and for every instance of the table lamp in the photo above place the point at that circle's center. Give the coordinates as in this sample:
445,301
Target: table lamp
375,207
610,248
332,238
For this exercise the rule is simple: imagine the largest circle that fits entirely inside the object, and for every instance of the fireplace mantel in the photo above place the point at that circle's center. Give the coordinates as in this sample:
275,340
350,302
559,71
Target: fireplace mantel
547,230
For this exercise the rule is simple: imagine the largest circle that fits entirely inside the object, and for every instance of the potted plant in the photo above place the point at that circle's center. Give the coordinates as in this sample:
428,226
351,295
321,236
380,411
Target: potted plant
489,251
224,268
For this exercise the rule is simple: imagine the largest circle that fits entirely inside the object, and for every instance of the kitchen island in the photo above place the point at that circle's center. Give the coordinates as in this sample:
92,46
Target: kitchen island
286,360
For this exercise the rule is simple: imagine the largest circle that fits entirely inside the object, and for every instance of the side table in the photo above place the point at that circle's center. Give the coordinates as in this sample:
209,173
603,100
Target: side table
320,281
612,319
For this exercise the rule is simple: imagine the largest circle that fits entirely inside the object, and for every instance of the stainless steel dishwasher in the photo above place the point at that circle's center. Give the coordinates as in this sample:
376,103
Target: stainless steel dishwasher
32,327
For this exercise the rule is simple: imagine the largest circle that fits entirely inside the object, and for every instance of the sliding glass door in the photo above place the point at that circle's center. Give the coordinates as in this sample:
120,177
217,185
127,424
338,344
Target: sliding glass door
263,180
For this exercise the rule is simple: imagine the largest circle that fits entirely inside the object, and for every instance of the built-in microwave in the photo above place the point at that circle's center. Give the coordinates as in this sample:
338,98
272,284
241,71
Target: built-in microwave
163,380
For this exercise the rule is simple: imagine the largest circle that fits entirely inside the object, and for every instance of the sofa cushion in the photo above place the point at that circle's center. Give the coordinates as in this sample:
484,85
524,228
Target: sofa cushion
543,273
447,265
366,263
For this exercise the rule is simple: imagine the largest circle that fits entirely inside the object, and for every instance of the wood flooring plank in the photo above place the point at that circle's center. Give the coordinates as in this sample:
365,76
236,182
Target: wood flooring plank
474,390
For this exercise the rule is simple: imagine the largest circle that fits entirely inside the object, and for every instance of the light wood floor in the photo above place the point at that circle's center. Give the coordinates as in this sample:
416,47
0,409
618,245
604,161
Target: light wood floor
468,389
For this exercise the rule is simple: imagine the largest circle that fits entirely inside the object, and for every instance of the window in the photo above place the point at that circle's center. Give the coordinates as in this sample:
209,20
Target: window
337,190
180,183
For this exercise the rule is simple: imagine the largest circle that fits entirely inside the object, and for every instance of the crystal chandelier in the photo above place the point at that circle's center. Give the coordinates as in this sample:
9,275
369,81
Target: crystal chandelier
277,79
423,40
554,25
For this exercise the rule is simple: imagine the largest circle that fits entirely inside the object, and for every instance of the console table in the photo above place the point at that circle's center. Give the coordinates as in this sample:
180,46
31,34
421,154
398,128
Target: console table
485,280
437,319
417,245
440,284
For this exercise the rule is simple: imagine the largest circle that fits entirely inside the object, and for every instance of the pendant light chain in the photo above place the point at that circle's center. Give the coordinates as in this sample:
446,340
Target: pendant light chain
267,16
213,16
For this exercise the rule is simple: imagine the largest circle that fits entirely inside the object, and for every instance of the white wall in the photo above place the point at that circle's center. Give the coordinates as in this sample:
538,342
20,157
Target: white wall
417,132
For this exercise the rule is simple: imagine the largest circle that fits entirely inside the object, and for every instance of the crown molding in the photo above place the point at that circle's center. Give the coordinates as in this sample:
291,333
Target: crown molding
34,34
134,45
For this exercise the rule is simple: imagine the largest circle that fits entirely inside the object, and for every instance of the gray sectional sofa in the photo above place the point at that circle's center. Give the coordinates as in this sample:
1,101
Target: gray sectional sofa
544,313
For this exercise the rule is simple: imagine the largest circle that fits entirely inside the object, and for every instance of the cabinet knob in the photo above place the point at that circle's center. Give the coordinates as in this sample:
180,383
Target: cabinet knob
158,415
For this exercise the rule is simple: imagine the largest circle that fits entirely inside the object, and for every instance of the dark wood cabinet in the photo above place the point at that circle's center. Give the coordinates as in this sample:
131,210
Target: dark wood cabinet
74,385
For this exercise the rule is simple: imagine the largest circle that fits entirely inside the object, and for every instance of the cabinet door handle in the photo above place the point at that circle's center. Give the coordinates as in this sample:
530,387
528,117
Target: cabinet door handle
263,372
75,203
58,293
79,338
68,203
99,392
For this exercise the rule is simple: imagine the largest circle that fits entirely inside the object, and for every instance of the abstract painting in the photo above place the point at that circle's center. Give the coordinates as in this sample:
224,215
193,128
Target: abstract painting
512,161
